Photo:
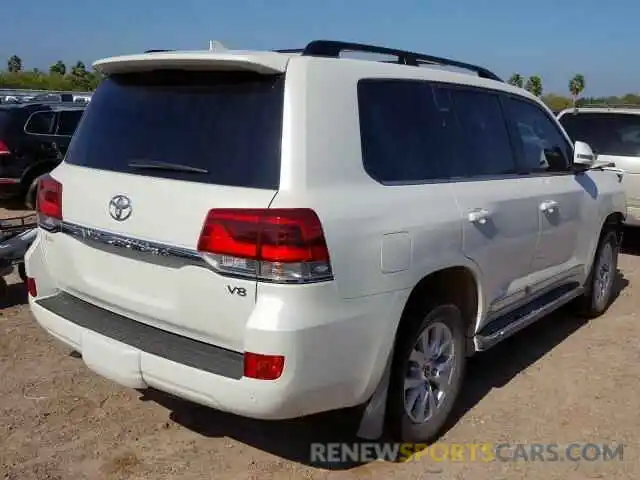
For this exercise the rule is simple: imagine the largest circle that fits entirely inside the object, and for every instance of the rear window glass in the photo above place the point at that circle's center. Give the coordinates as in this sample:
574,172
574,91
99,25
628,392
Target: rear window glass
606,133
210,127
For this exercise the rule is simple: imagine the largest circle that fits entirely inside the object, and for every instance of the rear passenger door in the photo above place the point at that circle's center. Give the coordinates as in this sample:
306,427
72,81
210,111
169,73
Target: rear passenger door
67,123
563,197
500,218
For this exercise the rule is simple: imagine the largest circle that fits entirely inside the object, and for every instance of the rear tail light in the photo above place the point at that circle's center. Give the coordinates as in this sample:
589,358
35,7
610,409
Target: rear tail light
274,245
263,367
49,203
4,150
31,287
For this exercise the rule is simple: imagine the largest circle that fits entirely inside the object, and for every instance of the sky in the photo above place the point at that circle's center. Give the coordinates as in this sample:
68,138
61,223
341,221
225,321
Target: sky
551,38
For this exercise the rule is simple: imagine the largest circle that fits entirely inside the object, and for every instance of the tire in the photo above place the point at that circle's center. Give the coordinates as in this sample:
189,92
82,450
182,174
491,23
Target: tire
31,194
601,281
22,272
405,423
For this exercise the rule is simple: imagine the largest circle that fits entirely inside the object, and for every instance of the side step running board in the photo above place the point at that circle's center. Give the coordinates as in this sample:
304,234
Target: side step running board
503,327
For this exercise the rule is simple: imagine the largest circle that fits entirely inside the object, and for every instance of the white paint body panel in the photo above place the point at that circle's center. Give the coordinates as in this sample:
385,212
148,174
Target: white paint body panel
383,240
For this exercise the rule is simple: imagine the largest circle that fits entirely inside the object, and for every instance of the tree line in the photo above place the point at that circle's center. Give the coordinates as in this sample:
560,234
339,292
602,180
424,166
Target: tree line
78,78
575,87
59,77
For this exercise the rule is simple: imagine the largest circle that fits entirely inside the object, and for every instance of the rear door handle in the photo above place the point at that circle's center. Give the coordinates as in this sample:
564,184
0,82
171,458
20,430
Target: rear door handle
479,215
549,206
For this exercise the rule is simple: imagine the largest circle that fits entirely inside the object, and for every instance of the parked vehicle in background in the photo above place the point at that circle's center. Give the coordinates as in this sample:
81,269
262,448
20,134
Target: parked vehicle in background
277,234
54,97
16,235
33,138
614,134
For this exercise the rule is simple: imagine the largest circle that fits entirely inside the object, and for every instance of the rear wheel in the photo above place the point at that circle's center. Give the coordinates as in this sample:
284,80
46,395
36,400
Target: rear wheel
601,282
31,193
428,370
22,272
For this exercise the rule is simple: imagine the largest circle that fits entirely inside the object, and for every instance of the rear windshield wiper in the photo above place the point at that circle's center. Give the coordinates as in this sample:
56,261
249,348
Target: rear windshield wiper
156,165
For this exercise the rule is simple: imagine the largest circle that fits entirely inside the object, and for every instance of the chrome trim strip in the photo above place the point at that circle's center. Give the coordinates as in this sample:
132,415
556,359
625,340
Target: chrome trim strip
133,245
159,253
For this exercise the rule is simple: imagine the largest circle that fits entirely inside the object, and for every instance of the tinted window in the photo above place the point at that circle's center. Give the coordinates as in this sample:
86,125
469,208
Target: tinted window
41,123
407,130
483,145
542,145
68,122
606,133
226,127
5,120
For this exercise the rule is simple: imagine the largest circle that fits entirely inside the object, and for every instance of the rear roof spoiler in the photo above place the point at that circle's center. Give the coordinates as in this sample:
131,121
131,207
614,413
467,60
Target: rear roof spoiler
259,62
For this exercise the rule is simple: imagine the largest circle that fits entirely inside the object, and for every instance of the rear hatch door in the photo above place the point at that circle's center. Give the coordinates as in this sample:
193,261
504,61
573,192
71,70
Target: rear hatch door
153,153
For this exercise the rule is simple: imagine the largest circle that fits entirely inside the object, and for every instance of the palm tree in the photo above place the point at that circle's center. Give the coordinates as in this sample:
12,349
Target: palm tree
534,85
79,70
576,87
516,80
59,68
14,64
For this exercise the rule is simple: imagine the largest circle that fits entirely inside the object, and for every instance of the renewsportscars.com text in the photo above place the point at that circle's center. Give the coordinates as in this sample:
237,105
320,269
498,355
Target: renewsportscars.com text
466,452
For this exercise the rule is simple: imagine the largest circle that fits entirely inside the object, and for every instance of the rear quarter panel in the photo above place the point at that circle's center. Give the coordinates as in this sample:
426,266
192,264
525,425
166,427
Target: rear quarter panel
382,239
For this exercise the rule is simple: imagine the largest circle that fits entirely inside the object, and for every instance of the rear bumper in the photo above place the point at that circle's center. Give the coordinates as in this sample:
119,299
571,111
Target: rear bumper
333,359
204,373
136,368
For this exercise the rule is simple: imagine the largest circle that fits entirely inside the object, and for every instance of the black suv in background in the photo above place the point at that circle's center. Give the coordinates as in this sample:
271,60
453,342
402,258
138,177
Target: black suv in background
33,139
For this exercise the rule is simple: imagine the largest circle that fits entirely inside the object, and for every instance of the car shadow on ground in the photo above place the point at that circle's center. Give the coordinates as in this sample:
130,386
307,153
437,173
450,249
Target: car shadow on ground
292,440
631,241
12,295
14,205
497,366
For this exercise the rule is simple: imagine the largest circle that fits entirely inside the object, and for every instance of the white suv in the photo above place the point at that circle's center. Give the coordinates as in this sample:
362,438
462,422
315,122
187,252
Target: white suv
614,134
276,234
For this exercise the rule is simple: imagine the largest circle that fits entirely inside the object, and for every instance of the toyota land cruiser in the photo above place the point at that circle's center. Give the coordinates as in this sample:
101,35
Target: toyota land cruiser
276,234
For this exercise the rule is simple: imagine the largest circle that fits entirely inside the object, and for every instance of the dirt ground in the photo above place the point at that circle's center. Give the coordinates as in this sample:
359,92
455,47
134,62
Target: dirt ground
562,380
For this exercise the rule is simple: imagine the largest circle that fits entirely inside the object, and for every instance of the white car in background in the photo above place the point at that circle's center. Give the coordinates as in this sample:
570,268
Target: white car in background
613,132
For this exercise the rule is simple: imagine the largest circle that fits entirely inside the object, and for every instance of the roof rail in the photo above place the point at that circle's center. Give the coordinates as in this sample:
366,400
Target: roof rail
333,48
612,105
158,50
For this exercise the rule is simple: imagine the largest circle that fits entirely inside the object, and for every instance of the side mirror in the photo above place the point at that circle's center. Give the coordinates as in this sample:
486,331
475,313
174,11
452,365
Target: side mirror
583,155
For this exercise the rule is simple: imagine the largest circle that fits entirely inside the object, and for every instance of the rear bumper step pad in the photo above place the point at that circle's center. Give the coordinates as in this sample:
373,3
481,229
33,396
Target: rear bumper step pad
154,341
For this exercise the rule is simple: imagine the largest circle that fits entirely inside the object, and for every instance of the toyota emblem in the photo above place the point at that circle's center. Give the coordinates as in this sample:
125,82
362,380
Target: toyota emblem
120,208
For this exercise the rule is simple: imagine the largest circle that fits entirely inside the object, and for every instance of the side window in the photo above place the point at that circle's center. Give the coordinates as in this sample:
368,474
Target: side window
483,146
541,143
68,122
407,131
40,123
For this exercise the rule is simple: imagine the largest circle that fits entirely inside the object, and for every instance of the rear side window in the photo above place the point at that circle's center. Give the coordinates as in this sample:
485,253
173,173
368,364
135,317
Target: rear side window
68,122
413,131
41,123
407,129
606,133
210,127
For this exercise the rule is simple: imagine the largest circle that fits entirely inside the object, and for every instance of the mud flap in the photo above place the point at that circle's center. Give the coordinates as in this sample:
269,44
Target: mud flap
373,418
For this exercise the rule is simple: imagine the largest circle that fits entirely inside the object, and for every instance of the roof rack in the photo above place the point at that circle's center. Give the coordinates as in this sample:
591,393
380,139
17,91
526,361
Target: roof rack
606,105
332,48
